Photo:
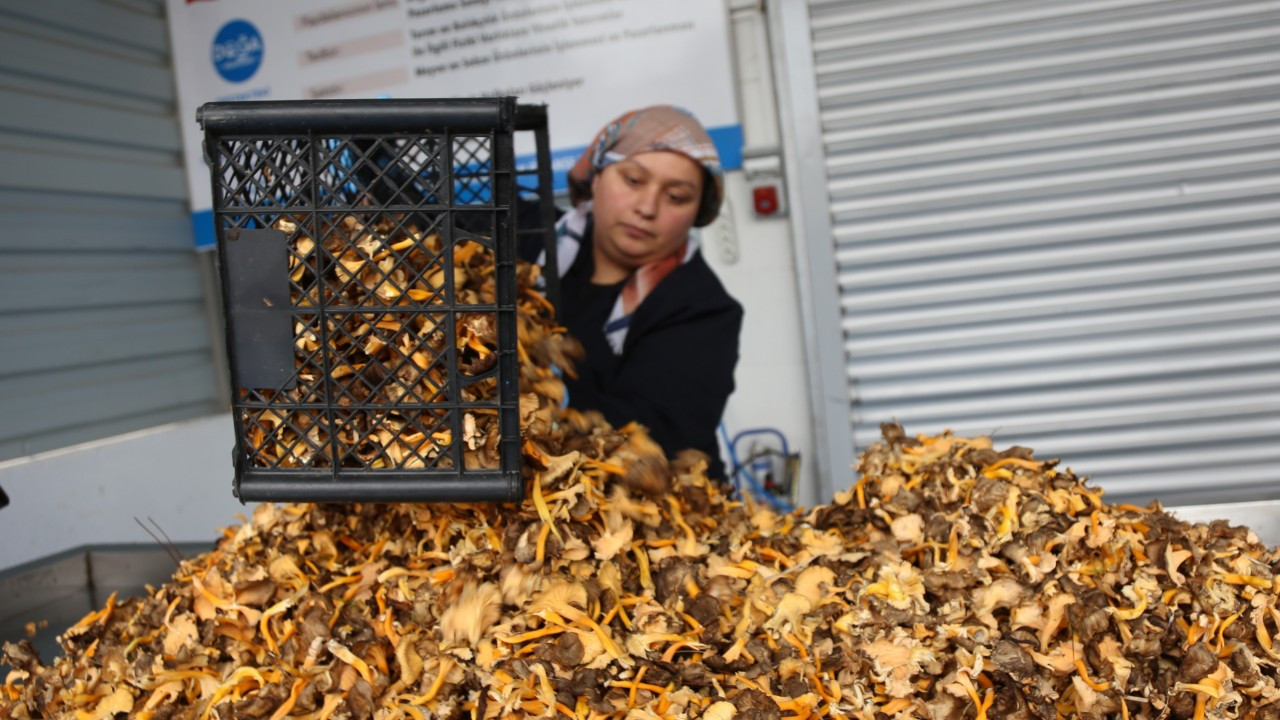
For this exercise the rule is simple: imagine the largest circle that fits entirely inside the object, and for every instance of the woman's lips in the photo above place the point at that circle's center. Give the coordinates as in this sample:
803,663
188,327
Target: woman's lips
634,232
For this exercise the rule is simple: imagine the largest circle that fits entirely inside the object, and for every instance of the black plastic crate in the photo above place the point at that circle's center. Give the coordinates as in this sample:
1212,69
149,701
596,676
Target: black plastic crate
367,258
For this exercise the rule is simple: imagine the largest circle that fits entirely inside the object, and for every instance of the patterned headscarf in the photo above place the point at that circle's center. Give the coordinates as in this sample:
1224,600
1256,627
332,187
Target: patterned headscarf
661,127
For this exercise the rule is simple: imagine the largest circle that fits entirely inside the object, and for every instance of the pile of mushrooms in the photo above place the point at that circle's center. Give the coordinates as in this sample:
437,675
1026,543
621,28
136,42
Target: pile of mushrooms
950,581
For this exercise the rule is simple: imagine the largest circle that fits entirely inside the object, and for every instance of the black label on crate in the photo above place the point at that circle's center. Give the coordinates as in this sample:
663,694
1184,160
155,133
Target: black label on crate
258,296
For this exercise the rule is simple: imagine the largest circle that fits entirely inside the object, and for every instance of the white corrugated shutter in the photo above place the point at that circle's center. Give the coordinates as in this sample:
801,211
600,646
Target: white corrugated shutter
103,322
1059,222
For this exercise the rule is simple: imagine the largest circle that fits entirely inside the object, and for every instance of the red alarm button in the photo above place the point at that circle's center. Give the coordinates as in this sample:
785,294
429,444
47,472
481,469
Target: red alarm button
765,199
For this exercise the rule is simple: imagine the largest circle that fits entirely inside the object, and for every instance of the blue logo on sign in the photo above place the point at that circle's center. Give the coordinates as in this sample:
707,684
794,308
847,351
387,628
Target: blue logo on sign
237,51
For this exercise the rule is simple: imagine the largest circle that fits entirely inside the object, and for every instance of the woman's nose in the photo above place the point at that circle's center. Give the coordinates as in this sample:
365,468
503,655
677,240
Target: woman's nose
647,203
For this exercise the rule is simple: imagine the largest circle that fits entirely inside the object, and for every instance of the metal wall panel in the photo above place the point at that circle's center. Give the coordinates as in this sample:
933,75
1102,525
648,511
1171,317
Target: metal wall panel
103,303
1059,223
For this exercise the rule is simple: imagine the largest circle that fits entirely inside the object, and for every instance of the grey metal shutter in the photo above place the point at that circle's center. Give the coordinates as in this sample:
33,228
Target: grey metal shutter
1058,222
103,323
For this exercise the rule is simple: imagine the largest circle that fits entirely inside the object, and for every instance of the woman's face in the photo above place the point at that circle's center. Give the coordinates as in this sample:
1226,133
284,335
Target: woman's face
644,207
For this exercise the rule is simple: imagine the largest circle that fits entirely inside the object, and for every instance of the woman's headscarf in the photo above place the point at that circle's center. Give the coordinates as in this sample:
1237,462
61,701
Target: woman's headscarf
661,127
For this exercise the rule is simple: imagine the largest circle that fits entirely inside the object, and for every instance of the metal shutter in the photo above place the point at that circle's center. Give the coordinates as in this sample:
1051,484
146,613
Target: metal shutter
1059,223
102,300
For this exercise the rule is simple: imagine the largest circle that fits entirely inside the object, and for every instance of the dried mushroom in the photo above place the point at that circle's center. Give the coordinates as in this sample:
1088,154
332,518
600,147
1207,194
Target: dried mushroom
951,581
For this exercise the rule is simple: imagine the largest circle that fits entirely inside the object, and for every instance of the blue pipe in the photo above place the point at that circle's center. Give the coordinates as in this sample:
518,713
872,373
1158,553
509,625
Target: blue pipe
739,469
786,449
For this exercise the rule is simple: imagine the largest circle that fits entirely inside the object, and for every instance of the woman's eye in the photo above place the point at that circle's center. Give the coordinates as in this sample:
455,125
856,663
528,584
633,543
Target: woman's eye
631,179
679,199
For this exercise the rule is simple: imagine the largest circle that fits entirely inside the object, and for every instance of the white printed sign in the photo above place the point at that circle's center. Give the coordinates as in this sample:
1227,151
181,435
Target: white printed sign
587,60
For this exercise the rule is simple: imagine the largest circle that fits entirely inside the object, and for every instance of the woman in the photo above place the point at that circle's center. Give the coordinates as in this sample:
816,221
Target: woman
659,330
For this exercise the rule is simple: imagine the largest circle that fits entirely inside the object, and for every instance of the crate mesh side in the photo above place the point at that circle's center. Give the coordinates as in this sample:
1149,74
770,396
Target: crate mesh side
393,285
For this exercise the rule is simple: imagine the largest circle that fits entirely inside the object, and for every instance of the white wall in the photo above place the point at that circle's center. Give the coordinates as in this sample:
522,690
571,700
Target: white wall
771,377
758,267
178,475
